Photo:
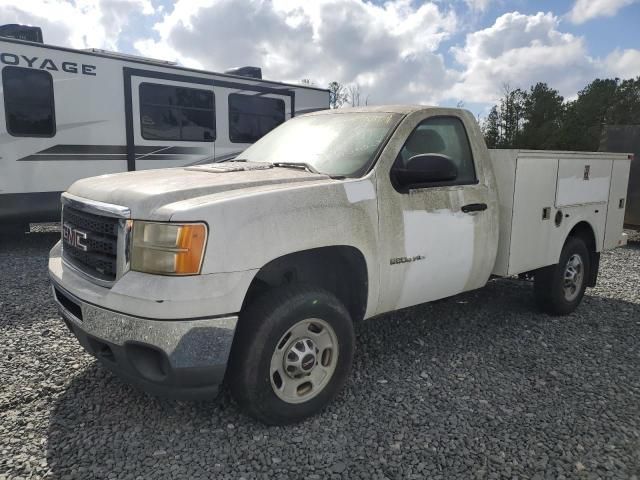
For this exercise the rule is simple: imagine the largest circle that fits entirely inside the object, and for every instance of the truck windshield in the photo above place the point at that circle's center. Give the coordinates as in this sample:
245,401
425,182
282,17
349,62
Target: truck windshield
338,144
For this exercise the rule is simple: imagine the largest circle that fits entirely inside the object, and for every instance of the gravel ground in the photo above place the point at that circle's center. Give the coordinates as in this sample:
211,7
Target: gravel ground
478,386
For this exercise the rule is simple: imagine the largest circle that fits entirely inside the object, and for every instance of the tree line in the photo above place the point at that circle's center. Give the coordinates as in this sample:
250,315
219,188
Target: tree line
343,95
540,118
351,95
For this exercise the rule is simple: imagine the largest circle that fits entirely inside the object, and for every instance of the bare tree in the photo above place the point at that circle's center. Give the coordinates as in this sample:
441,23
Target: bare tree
337,95
355,97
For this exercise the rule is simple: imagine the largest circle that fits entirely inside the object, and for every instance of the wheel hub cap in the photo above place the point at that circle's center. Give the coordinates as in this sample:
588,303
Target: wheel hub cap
304,360
300,358
573,277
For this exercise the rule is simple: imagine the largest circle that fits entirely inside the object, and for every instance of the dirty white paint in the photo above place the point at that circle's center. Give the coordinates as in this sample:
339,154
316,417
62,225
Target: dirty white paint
158,296
575,190
257,216
359,191
146,193
616,211
446,240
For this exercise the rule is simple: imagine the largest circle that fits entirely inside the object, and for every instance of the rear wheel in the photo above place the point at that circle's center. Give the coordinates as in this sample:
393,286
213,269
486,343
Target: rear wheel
292,354
559,288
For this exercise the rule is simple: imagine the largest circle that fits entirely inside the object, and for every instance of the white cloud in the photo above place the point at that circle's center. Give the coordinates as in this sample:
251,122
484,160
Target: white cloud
478,5
622,64
394,50
77,24
584,10
521,50
390,49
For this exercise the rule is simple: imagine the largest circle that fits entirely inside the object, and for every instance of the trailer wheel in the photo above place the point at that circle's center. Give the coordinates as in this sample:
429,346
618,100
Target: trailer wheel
559,288
291,355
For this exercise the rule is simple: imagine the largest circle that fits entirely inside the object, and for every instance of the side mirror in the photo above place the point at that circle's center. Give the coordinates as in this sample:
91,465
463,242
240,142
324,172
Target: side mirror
426,168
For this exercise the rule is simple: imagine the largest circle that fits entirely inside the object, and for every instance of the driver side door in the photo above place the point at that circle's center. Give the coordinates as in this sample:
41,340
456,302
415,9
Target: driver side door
436,237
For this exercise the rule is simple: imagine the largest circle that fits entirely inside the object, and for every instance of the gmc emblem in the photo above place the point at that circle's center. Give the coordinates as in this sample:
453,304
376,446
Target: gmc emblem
74,237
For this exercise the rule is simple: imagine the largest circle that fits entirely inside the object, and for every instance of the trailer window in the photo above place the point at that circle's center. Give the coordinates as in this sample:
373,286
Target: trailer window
28,102
251,117
176,113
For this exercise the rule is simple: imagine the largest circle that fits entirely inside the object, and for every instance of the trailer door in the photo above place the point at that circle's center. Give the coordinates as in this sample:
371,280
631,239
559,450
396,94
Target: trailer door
171,122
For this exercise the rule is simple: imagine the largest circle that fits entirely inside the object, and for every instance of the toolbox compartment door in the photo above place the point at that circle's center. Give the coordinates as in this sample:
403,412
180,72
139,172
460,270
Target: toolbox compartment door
535,188
617,203
582,180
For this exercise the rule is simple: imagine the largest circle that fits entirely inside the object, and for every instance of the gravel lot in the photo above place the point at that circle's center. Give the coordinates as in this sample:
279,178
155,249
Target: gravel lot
478,386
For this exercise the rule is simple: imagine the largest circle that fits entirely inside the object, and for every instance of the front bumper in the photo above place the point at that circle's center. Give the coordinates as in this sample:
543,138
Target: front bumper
174,358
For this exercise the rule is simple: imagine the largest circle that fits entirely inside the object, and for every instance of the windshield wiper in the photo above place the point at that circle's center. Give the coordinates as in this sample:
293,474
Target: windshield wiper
302,165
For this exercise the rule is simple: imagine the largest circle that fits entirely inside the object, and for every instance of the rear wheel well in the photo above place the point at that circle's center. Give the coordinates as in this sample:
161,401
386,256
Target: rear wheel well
584,231
341,270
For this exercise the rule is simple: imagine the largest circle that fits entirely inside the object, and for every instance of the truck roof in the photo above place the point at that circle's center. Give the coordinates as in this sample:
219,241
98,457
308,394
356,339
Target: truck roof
404,109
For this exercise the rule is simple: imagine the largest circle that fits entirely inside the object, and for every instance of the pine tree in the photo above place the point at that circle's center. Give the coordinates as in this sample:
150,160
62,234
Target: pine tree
491,128
543,115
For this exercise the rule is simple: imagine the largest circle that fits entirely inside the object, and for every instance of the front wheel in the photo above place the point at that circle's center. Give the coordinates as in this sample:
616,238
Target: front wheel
292,354
559,288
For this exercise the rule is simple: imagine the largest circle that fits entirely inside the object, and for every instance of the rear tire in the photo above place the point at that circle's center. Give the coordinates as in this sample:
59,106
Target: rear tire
291,355
559,288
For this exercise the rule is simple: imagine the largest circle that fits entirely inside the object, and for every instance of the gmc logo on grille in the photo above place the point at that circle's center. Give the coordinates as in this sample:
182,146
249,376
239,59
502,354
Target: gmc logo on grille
74,237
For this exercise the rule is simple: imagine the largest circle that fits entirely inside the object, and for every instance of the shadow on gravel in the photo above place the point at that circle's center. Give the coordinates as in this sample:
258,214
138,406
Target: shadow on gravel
468,385
101,425
28,242
633,245
25,297
633,241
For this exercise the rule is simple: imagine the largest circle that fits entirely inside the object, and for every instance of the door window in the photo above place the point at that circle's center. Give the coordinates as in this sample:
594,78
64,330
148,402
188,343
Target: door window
444,136
176,113
251,117
28,102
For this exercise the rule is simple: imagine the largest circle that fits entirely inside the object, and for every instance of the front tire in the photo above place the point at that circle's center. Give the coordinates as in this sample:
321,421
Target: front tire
559,288
292,354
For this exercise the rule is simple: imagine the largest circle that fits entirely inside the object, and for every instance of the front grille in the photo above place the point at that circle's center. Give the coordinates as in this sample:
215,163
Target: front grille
90,242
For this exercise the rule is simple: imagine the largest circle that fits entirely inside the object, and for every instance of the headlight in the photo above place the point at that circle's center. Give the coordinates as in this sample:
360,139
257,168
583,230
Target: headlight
168,248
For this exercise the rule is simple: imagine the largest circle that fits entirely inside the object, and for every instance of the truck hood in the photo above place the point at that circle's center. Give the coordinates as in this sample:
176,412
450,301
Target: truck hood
144,192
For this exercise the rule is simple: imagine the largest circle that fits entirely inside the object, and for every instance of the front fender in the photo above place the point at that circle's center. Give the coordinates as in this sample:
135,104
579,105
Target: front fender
250,230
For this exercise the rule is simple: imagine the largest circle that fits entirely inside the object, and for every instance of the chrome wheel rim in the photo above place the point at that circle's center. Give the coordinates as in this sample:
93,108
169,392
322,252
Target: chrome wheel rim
573,277
304,360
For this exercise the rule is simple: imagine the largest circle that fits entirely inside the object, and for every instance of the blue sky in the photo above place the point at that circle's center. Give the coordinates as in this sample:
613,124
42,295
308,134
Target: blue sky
396,51
602,34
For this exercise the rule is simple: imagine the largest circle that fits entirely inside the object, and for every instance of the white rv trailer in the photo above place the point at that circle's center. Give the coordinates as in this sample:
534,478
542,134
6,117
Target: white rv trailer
69,114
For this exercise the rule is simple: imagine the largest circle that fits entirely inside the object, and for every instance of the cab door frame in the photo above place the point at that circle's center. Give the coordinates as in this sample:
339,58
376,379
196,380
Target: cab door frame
430,247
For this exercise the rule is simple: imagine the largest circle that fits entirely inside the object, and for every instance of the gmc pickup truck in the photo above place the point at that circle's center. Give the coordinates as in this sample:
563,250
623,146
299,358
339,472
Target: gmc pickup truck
254,270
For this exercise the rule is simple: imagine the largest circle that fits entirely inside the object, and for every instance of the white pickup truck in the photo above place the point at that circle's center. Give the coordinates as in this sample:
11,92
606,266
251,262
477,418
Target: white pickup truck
254,270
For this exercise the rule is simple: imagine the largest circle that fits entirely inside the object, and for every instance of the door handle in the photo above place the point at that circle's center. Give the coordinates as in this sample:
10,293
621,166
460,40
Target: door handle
474,207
